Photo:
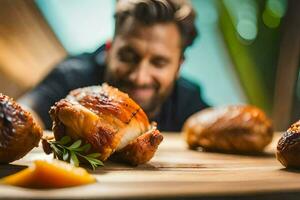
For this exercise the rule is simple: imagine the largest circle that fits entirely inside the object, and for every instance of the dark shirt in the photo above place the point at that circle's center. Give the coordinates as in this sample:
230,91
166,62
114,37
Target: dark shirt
88,69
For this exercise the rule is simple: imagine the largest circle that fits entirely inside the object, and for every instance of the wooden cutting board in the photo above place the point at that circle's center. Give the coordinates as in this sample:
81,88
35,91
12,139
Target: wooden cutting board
175,172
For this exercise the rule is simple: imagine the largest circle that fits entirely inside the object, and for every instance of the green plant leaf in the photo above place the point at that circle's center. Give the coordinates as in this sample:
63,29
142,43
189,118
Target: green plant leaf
83,148
94,155
95,161
56,150
71,153
66,156
74,159
64,140
75,145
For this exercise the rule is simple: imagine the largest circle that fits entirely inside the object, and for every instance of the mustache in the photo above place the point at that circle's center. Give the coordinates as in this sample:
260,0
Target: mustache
122,83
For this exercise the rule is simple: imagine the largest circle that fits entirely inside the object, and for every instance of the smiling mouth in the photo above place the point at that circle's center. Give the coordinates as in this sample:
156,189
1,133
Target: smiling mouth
142,93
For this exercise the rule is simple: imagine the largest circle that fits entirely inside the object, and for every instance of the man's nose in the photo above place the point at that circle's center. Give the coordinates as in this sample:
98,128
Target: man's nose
141,75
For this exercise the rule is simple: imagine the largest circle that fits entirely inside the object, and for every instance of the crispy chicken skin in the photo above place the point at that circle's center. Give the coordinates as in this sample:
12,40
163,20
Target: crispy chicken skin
141,149
288,147
232,129
18,131
106,118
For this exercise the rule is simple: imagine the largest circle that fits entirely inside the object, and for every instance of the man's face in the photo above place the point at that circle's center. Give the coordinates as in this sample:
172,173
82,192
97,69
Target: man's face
144,62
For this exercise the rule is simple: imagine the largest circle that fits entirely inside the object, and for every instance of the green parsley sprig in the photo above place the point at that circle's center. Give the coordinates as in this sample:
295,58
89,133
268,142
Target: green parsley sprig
71,153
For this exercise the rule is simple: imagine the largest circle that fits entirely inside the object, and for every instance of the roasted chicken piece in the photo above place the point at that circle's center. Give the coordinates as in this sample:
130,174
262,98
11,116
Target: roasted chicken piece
109,120
18,131
232,129
141,149
288,148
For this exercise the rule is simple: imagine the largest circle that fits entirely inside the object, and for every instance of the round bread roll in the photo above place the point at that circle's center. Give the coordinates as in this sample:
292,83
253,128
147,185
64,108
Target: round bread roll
288,148
232,129
18,131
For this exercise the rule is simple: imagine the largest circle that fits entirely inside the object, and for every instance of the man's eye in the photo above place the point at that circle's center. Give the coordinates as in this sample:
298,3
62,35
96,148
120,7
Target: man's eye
159,63
128,57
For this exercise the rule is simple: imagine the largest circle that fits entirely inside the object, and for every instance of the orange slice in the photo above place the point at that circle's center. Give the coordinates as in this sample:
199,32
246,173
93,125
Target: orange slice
45,174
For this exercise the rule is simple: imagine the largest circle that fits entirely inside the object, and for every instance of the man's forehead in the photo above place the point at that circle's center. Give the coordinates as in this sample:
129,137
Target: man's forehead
166,33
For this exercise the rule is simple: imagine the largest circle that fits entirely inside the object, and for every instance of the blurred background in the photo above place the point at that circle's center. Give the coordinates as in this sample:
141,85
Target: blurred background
247,52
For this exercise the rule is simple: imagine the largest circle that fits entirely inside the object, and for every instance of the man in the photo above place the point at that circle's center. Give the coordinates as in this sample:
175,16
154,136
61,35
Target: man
143,60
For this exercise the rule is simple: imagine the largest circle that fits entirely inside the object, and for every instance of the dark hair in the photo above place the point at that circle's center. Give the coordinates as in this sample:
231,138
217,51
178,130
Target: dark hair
150,12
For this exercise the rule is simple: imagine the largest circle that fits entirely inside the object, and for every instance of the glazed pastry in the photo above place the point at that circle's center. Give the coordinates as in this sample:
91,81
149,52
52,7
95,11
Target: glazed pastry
19,133
232,129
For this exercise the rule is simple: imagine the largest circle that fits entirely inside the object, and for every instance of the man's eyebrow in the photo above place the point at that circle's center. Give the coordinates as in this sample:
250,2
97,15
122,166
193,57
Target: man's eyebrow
128,47
164,58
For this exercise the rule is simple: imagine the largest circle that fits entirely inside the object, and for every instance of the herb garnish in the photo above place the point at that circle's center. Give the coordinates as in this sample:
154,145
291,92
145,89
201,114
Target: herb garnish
71,153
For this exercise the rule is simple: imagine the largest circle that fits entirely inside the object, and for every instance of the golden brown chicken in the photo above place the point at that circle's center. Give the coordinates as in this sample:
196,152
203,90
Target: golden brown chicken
234,129
109,120
18,131
288,148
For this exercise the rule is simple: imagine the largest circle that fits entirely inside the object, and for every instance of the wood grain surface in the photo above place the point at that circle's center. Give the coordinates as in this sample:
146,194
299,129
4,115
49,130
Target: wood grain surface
175,172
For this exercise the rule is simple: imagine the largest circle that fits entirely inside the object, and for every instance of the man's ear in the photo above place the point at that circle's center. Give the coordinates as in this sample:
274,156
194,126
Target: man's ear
182,58
108,45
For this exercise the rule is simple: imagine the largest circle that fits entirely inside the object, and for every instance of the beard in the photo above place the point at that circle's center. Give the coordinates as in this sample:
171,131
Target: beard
152,105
